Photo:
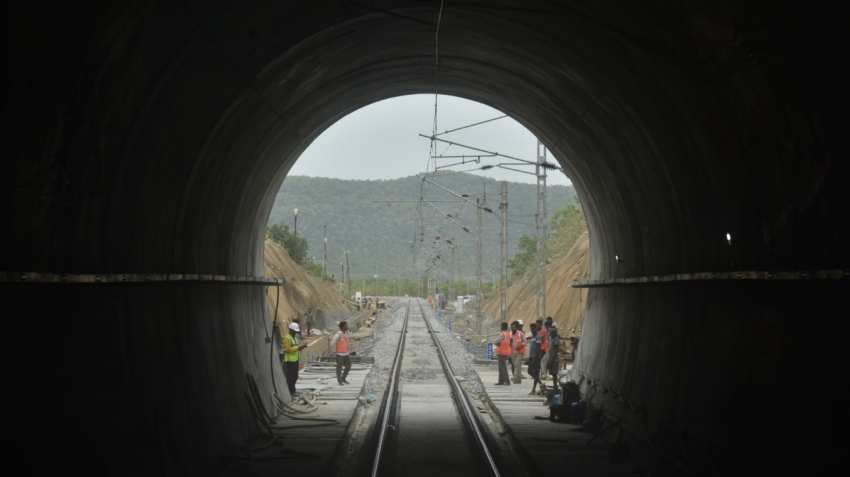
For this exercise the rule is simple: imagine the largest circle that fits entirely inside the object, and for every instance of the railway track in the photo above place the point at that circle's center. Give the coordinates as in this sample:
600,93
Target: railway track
427,425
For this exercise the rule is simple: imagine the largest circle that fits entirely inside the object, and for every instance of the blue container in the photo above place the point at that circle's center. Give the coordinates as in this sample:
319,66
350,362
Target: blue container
490,354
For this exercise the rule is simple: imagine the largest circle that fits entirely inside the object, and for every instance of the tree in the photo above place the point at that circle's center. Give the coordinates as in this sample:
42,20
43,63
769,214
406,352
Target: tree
524,257
295,246
567,226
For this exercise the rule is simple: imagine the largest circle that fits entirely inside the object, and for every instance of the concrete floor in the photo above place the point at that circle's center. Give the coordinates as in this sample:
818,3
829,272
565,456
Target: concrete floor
309,450
555,449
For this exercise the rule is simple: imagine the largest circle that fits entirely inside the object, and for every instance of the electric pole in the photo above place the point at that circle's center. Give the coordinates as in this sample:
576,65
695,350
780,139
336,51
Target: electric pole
348,274
479,204
541,230
503,300
376,281
341,277
325,250
420,227
452,291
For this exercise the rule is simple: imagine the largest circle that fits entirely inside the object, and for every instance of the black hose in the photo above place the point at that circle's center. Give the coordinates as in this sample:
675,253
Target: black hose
271,344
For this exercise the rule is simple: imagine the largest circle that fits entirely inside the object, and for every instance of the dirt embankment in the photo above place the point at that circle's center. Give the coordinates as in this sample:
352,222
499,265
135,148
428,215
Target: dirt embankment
313,301
563,303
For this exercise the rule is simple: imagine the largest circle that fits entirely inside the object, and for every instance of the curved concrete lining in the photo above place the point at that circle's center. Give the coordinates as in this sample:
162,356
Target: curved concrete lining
153,140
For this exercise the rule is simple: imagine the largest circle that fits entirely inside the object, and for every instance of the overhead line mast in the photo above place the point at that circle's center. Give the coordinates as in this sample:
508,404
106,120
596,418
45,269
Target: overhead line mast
541,230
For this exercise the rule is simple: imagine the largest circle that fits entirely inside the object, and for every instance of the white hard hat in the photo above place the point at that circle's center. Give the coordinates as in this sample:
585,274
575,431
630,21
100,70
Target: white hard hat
519,322
294,327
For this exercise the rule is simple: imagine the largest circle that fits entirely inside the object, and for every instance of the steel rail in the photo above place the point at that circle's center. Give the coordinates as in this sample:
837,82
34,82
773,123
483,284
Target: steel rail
390,398
462,401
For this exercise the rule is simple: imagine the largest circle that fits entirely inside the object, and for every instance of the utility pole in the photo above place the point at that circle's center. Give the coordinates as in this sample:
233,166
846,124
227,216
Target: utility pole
421,229
325,250
541,230
348,274
376,281
478,259
503,300
452,292
341,277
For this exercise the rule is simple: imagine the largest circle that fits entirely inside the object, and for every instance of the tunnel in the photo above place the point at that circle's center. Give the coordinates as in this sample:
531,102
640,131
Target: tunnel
149,139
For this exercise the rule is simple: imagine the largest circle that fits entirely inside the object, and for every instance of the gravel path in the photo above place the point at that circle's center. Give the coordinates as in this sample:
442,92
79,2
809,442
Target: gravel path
461,360
382,346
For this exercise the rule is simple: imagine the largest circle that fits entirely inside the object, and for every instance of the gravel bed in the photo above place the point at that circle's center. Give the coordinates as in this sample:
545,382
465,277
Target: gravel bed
460,359
382,346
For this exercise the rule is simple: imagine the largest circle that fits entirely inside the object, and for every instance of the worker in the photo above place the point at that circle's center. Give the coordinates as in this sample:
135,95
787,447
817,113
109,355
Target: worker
554,362
534,354
543,331
518,348
291,356
503,350
341,345
574,347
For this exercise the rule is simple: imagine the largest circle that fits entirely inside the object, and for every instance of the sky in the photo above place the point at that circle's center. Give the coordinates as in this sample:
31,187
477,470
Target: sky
380,141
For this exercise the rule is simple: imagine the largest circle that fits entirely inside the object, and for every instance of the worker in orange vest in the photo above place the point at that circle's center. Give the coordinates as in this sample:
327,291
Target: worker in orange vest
504,351
341,346
518,345
543,333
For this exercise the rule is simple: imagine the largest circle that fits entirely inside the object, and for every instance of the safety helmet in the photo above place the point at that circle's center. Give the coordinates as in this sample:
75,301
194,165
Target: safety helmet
294,327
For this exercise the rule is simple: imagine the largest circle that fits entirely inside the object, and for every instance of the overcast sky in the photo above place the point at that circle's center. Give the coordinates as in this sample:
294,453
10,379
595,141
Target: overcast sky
380,141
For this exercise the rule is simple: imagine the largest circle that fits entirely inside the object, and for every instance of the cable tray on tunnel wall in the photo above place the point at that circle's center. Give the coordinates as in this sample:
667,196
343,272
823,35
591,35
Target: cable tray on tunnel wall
750,275
136,278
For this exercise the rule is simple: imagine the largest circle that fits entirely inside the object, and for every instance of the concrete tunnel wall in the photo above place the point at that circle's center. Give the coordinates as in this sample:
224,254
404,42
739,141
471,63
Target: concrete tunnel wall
153,139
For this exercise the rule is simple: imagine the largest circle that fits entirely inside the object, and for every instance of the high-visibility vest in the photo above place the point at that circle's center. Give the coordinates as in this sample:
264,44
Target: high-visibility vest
342,343
295,355
544,339
504,348
519,341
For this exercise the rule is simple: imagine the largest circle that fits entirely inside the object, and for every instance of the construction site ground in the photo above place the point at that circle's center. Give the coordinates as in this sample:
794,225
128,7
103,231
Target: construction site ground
549,448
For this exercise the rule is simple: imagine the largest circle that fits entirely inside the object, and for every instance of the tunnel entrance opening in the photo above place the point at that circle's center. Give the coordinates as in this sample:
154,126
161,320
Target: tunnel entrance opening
382,142
670,127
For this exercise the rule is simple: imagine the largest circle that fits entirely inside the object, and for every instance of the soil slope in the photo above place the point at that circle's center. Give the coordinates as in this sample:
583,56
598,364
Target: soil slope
314,301
564,303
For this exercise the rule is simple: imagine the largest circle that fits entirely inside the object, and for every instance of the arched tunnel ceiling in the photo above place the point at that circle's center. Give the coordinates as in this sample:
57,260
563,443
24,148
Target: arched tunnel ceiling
218,112
152,138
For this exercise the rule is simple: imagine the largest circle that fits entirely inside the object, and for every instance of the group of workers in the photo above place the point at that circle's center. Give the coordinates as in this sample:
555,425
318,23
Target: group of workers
292,345
543,344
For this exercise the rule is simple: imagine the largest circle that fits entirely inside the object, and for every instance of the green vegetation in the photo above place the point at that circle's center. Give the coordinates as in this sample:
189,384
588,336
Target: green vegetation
296,247
524,257
381,234
565,228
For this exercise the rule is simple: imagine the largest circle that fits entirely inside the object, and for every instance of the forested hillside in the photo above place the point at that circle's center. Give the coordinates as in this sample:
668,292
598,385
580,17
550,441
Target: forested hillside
381,234
568,261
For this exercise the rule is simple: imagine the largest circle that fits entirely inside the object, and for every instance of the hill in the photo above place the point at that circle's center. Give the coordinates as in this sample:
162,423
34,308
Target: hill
568,259
380,235
563,303
306,297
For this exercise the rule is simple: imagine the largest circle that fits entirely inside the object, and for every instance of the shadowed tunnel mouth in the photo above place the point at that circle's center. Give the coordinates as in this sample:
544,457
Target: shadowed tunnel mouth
692,150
